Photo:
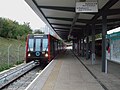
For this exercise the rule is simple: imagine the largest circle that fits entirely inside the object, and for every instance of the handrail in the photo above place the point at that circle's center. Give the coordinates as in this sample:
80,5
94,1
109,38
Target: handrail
7,78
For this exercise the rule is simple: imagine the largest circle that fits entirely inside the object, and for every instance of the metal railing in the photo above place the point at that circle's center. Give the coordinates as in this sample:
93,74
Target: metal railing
13,75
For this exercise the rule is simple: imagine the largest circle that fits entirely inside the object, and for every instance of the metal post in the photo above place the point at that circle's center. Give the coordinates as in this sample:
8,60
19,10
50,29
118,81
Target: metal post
106,66
73,45
93,43
104,32
80,46
83,47
87,44
9,54
87,50
19,52
110,48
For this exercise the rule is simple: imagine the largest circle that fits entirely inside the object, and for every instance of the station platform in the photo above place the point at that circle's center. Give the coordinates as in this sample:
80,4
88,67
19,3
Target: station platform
111,80
65,72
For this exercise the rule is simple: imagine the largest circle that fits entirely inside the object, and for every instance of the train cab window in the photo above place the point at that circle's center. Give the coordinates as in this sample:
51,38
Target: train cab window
31,44
45,45
38,45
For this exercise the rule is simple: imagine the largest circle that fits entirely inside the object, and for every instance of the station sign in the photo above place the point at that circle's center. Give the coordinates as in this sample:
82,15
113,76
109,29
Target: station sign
86,7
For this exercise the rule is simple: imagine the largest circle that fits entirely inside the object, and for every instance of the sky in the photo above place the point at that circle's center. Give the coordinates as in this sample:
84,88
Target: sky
19,10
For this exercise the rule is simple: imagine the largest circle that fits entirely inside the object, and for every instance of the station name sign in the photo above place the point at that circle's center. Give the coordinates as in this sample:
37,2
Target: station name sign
86,7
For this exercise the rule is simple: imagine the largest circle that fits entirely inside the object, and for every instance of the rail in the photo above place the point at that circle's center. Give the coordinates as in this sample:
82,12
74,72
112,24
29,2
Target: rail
11,76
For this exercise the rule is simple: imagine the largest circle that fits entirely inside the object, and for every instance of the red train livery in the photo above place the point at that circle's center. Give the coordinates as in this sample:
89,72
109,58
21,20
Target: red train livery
42,48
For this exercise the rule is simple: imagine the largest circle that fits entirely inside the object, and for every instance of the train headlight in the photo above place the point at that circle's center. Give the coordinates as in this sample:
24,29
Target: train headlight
46,55
43,52
29,55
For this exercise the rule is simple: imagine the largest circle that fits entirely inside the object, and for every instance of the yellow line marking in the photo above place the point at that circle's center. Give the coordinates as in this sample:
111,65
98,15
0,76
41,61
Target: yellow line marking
50,83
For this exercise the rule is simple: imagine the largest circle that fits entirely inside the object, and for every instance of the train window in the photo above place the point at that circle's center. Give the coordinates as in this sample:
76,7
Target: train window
38,45
31,44
45,45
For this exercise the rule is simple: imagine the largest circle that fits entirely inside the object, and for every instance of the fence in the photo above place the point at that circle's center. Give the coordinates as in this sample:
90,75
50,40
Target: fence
11,55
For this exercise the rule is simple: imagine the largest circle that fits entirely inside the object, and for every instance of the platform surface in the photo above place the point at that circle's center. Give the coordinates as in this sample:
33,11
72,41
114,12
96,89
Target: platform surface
111,80
65,73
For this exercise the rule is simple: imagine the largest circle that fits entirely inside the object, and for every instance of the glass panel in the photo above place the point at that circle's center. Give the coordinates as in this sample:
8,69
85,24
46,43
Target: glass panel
31,44
45,44
38,45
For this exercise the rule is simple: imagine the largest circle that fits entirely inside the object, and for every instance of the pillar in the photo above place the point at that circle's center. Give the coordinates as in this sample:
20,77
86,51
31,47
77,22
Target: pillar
104,32
93,43
87,47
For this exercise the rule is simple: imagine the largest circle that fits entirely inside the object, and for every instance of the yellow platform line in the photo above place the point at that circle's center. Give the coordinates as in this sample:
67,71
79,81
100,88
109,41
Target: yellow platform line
50,82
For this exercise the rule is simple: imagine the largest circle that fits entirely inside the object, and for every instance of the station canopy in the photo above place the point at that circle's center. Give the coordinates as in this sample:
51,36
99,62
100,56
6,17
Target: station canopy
61,16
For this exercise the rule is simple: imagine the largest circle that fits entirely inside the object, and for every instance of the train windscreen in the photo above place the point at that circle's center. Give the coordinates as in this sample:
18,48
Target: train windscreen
31,44
45,45
38,45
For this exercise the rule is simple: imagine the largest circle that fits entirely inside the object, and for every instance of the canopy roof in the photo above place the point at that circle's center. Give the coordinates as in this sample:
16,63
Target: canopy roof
61,17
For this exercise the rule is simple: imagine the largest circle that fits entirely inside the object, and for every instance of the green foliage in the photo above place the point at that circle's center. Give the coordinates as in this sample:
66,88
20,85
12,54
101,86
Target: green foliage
38,31
19,62
12,29
98,36
5,67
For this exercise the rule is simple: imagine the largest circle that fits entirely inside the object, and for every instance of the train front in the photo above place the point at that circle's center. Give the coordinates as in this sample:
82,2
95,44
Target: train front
37,48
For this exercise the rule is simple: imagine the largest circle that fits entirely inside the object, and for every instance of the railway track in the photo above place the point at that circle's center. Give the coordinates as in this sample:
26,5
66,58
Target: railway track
20,78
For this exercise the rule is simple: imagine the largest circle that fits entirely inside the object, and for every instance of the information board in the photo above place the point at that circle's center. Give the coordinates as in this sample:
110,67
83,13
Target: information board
86,7
114,54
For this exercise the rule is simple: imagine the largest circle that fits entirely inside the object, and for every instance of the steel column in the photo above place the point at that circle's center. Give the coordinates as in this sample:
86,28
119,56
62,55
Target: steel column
93,43
73,45
80,45
83,47
87,42
104,32
87,45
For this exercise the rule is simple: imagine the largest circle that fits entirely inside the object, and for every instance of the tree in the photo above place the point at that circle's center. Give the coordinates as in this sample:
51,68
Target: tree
38,31
12,29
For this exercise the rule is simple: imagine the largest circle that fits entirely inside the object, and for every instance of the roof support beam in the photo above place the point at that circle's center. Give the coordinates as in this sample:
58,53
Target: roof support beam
113,11
109,4
69,19
67,28
61,8
61,28
60,18
70,9
73,23
68,25
108,20
74,20
62,31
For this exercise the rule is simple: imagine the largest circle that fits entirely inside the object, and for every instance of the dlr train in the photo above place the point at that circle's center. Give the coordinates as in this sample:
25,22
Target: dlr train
42,48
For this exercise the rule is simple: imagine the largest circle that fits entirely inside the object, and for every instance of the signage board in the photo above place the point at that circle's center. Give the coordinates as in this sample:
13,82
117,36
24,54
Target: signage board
113,53
86,7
